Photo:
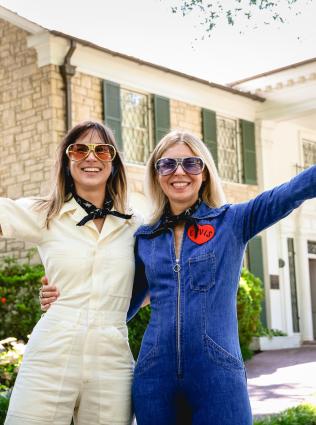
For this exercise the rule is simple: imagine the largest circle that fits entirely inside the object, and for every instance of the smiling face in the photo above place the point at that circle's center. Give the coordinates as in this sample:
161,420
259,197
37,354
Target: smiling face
181,188
90,173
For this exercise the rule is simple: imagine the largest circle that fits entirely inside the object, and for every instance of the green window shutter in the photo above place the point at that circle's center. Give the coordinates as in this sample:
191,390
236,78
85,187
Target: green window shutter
112,110
249,151
210,132
162,117
255,261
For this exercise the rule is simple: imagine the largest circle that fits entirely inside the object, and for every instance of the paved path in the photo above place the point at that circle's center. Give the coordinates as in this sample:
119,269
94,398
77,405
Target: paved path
281,379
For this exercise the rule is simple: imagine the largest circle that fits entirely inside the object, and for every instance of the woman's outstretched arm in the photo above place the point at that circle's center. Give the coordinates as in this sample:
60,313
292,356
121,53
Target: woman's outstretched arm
272,205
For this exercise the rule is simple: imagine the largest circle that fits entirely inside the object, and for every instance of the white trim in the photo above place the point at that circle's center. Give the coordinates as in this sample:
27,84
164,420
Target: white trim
274,110
20,22
50,49
280,80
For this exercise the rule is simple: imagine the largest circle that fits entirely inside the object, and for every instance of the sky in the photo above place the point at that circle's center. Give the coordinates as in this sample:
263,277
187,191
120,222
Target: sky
147,29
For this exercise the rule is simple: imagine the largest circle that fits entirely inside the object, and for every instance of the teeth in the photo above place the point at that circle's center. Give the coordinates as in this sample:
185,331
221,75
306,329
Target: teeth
179,185
91,169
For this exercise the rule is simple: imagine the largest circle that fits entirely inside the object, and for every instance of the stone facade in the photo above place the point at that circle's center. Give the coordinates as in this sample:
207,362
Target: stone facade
32,121
239,192
185,116
87,101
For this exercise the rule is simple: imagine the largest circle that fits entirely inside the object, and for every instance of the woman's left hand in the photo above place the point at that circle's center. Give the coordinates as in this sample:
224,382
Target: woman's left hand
48,294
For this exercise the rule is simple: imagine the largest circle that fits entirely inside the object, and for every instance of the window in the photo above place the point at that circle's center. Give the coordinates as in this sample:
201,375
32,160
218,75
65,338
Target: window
135,126
138,120
309,153
229,149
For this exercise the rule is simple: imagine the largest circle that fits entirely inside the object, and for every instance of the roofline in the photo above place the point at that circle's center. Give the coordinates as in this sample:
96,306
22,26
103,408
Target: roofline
32,27
159,67
15,19
273,71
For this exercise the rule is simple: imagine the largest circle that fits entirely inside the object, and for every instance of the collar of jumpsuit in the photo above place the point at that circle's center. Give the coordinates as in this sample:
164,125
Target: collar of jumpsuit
77,213
202,213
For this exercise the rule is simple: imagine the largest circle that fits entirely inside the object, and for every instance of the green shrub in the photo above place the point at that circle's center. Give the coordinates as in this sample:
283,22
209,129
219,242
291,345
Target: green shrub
263,331
11,353
4,404
305,414
249,298
19,305
136,329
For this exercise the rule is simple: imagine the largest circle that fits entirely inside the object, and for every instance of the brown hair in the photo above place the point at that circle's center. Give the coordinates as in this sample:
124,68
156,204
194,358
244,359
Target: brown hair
60,193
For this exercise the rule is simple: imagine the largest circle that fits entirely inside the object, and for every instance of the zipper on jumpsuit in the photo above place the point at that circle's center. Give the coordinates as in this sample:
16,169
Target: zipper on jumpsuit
177,269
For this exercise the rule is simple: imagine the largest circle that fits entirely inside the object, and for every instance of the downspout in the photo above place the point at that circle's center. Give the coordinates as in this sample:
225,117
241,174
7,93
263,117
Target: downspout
68,71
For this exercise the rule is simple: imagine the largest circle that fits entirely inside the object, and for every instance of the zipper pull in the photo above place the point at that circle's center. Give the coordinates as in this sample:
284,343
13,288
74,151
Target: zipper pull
177,267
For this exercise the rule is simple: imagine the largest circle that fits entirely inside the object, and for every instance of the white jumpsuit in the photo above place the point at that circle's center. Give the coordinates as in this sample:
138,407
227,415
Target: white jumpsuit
77,361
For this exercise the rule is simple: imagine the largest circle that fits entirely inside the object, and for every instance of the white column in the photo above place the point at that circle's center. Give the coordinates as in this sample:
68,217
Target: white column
264,146
303,286
286,286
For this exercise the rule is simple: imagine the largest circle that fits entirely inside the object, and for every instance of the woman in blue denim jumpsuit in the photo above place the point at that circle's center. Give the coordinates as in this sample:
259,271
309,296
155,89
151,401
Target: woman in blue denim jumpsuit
190,368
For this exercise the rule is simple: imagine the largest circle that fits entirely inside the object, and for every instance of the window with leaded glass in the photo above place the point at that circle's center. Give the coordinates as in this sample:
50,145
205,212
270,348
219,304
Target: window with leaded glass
309,153
229,149
135,126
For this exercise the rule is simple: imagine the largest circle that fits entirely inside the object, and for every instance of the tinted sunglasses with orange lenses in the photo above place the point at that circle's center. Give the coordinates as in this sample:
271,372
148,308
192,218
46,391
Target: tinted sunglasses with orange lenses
80,151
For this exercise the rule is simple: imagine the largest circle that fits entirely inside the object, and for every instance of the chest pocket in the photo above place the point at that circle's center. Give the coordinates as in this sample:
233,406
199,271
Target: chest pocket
202,272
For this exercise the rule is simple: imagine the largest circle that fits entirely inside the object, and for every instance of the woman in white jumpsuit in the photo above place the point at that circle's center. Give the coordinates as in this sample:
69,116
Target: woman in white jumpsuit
78,362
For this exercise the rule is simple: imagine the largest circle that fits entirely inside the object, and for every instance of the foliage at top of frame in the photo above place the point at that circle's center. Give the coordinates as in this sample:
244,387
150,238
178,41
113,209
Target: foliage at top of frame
232,12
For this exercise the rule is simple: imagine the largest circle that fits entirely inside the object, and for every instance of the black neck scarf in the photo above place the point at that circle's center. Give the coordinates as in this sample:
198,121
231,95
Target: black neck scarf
94,212
170,221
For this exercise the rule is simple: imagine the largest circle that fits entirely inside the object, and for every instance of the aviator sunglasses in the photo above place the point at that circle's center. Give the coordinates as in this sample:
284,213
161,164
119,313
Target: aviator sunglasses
191,165
80,151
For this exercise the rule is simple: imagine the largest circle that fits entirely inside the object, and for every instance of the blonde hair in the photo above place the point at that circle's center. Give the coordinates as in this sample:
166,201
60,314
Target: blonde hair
62,183
213,194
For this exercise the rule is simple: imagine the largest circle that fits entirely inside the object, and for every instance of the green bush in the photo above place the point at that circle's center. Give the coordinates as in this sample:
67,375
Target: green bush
11,353
305,414
4,404
136,329
249,298
263,331
19,305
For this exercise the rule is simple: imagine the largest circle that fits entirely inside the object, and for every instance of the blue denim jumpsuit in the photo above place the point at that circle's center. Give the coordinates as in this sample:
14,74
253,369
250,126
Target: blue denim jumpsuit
190,368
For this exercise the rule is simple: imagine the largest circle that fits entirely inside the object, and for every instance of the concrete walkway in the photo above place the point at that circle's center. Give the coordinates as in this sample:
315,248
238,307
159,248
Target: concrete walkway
281,379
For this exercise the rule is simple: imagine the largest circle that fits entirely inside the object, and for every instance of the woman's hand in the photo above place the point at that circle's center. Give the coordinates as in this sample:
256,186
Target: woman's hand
48,294
146,301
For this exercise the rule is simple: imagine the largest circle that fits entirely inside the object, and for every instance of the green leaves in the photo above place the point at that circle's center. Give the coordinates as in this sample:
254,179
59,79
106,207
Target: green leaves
305,414
249,297
136,329
11,353
19,304
210,13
